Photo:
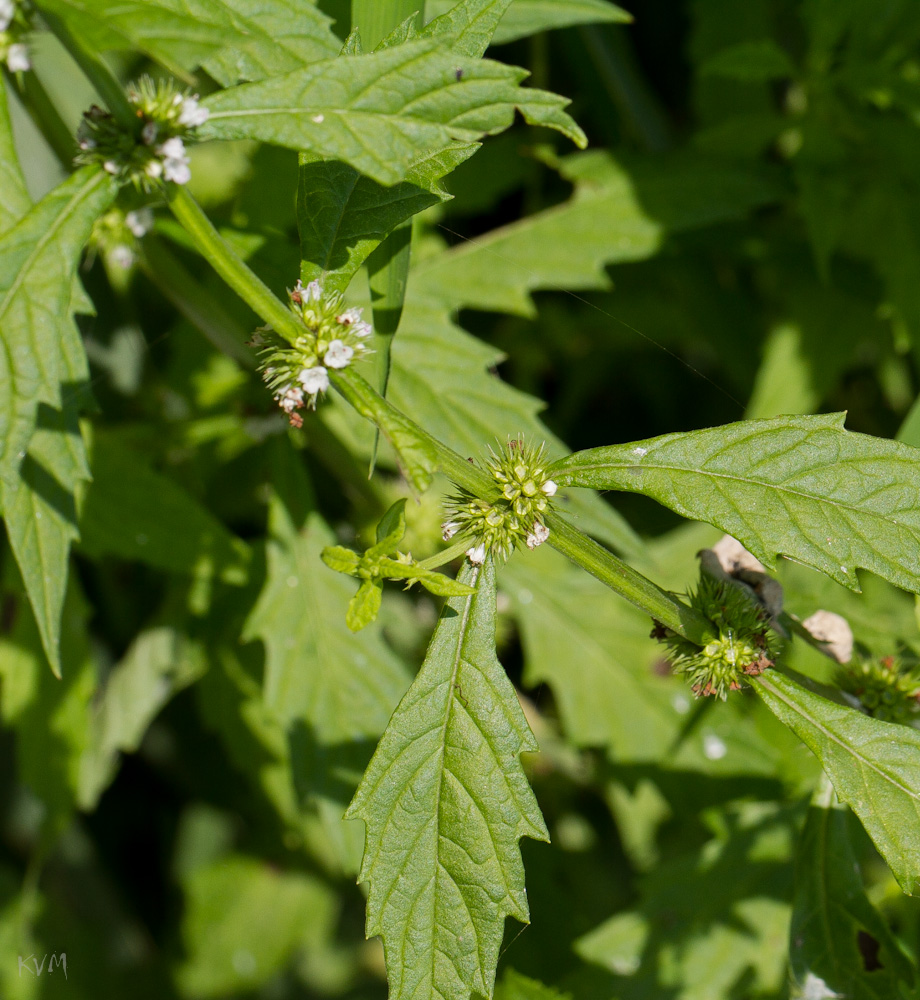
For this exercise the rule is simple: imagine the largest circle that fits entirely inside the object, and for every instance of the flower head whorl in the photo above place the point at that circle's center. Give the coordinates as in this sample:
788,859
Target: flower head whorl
154,150
331,340
515,518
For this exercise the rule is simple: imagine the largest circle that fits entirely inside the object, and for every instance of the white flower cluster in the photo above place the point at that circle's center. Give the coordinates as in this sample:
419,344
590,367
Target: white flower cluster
115,234
157,150
14,53
333,337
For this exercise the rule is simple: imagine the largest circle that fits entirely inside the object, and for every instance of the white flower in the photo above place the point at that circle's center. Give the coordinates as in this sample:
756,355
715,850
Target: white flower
121,256
17,58
140,221
110,166
291,399
538,536
149,133
477,554
338,355
352,315
314,292
192,114
87,143
7,9
154,169
172,149
177,171
549,488
314,380
449,529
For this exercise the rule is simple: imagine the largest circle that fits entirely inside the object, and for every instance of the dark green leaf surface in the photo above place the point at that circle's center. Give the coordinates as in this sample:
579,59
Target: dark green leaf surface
134,513
377,111
803,487
874,766
445,801
831,910
233,39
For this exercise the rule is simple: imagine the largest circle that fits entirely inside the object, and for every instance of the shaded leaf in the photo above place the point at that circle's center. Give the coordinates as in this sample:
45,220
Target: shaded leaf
762,60
831,909
379,112
874,766
445,801
134,513
803,487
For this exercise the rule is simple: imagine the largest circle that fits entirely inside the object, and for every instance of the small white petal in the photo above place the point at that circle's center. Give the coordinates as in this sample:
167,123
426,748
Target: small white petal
352,315
477,554
192,114
121,256
549,488
449,529
314,292
154,169
7,9
314,380
17,58
110,166
338,355
177,171
172,149
538,536
362,329
140,221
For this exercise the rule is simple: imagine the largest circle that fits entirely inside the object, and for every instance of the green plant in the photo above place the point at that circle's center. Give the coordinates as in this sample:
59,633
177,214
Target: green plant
330,398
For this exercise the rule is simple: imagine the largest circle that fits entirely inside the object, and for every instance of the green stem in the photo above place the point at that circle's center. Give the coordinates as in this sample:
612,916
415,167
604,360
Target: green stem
445,556
96,71
47,119
231,267
627,582
568,540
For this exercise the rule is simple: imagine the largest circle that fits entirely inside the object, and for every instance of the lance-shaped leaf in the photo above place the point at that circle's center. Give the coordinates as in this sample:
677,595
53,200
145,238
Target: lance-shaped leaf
233,39
527,17
445,801
343,216
382,112
874,767
803,487
830,913
38,259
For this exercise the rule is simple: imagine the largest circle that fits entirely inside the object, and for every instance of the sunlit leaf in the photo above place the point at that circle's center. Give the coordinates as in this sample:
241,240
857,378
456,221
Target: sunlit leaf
377,111
445,801
802,487
874,767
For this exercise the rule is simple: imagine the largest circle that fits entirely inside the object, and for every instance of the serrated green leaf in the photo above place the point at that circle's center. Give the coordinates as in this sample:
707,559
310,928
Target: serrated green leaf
469,25
445,801
381,112
874,766
134,513
803,487
340,559
528,17
343,216
232,39
38,259
831,909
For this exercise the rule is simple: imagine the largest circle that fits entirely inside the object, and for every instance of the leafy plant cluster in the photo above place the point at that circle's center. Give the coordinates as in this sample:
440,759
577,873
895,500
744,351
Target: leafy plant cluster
259,262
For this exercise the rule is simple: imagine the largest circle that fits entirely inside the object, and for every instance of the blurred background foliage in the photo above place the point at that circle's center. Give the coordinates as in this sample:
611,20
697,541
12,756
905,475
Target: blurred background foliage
742,239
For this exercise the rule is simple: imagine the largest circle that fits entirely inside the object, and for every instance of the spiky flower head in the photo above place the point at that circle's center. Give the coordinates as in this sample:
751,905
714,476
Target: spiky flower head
744,645
887,688
516,517
332,338
153,151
